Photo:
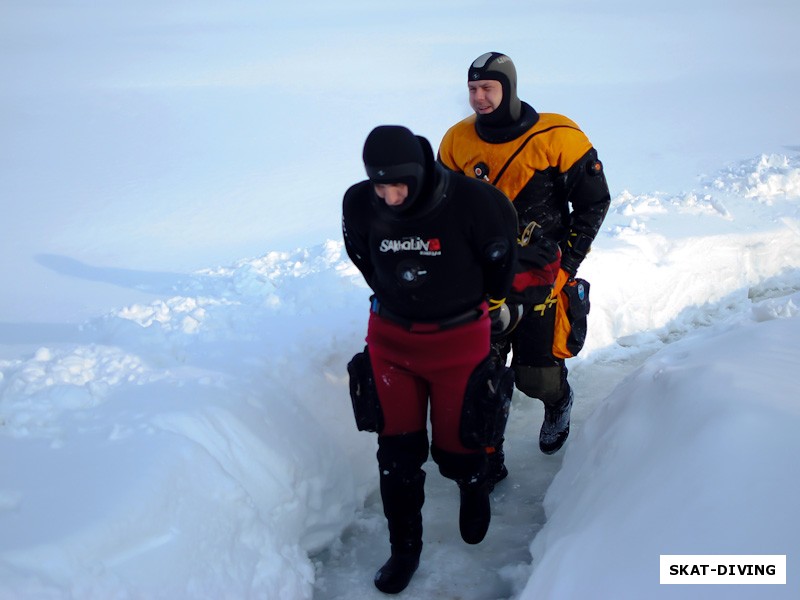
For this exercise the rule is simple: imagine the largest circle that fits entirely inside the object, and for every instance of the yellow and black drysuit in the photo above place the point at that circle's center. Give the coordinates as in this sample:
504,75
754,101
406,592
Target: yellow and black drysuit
547,166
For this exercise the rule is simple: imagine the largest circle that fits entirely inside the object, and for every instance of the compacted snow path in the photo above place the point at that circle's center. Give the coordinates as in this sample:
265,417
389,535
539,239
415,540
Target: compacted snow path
500,566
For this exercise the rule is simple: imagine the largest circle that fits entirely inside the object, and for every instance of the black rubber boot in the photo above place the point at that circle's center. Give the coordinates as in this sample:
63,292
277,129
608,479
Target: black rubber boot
402,484
396,573
469,471
402,504
555,428
475,513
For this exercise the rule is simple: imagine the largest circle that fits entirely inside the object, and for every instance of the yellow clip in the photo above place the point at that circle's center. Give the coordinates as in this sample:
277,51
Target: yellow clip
527,233
540,308
495,304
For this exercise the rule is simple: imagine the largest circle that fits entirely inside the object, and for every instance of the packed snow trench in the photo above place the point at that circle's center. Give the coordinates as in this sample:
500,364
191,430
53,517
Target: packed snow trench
203,445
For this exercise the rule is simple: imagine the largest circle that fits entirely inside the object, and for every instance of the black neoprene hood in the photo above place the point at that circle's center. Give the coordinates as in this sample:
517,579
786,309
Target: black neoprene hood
393,154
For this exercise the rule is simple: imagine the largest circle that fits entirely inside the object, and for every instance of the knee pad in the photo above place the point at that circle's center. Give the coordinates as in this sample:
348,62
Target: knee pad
545,383
460,467
402,454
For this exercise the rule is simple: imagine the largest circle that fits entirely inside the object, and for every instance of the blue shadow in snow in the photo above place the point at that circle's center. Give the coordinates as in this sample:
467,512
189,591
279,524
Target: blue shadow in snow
144,281
158,283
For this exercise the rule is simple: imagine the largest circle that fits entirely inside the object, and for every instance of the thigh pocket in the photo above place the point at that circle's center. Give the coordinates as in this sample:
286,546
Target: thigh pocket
571,312
363,393
487,401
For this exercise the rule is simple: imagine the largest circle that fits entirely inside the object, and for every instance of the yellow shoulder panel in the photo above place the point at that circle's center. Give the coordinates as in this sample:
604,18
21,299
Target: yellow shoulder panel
554,142
454,140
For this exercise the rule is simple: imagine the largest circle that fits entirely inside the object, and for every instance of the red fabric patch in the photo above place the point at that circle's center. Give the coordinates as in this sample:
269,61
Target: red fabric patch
536,277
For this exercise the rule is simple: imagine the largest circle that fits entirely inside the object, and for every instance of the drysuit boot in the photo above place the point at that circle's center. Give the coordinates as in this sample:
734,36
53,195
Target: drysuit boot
475,513
469,471
396,573
555,427
402,484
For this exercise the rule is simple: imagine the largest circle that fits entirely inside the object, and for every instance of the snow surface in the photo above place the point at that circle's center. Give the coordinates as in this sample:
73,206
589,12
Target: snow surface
170,429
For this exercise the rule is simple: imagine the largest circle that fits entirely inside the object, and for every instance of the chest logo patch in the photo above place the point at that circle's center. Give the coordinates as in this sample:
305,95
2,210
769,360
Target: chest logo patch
429,247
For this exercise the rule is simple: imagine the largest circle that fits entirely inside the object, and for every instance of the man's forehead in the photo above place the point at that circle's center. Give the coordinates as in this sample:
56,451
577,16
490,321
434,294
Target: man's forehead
483,83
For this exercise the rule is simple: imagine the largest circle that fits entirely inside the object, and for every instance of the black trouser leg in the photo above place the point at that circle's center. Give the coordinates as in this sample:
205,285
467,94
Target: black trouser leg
402,485
497,470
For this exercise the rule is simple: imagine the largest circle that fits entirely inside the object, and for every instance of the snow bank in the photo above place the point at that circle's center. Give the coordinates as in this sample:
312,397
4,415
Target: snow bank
692,454
210,432
202,445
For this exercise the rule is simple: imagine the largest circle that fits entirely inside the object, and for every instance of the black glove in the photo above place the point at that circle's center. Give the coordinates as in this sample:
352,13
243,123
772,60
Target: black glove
539,253
577,247
570,263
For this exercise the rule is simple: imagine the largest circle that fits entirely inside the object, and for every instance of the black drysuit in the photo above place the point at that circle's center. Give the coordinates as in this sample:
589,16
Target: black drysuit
439,260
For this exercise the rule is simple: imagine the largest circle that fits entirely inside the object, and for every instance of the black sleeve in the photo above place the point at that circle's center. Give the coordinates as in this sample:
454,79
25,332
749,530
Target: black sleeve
499,246
355,232
587,192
